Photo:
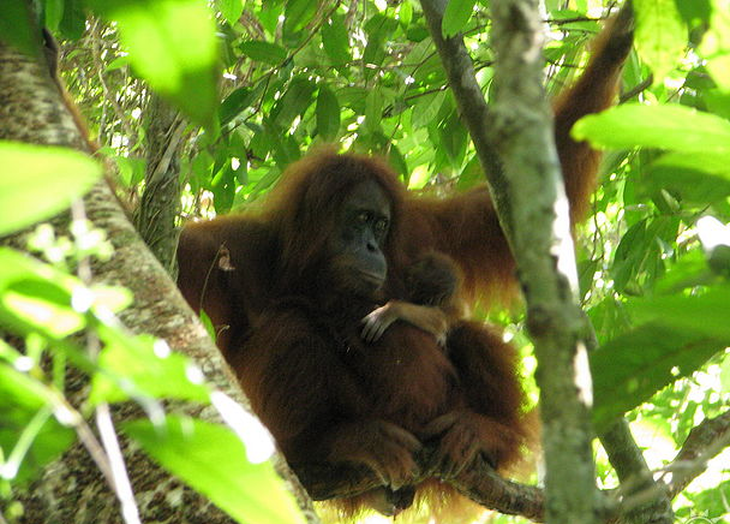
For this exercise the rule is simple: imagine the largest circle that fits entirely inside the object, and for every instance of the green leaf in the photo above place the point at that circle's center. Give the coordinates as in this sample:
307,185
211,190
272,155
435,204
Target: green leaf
427,108
208,325
725,374
269,15
37,182
235,103
172,45
297,14
131,169
629,369
231,10
264,52
456,16
212,460
336,40
696,11
398,161
53,13
454,139
715,45
405,13
709,162
117,63
672,127
380,29
296,100
37,297
705,313
16,26
223,186
73,23
695,179
43,304
374,110
29,436
661,35
328,114
151,368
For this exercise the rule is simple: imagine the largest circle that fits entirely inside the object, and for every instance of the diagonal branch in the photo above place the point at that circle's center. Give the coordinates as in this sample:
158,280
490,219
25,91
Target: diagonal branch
705,441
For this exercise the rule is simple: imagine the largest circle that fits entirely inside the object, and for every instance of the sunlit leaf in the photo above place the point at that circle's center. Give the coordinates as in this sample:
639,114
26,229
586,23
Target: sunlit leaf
629,369
725,374
456,16
212,459
661,36
112,298
151,367
36,182
715,45
22,399
426,109
672,127
230,9
34,296
172,45
44,304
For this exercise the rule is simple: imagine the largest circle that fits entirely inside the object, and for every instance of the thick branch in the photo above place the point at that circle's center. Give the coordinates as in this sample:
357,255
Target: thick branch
480,484
159,206
646,501
642,497
704,442
536,211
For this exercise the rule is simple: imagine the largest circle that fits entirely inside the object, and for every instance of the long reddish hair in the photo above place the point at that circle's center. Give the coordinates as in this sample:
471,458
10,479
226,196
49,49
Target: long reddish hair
304,206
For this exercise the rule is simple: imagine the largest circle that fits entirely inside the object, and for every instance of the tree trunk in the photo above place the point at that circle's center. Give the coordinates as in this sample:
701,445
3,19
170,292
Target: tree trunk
159,206
72,489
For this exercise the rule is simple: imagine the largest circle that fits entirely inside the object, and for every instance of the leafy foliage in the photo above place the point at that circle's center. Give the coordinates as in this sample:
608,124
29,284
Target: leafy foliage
64,173
295,74
222,472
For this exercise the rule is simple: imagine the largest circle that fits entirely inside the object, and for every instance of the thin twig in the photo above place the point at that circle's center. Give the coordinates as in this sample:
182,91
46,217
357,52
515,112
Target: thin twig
117,469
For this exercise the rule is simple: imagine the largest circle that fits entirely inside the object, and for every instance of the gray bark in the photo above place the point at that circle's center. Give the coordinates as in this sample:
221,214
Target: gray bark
159,206
532,205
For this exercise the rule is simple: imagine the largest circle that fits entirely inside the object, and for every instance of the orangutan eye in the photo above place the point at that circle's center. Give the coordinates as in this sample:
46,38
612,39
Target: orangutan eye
381,225
364,217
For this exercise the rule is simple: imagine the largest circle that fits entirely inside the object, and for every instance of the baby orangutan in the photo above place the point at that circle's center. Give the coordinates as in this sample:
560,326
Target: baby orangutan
432,285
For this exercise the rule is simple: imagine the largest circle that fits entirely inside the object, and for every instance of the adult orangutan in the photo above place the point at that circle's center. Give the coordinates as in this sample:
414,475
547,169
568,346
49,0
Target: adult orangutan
288,287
